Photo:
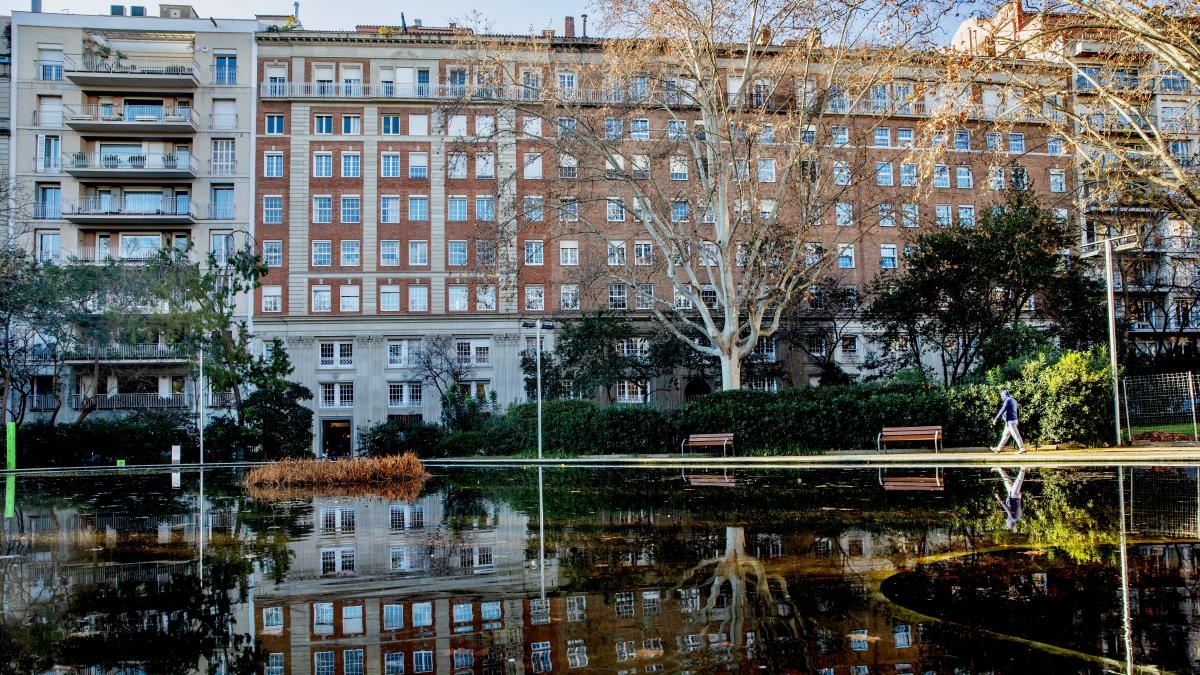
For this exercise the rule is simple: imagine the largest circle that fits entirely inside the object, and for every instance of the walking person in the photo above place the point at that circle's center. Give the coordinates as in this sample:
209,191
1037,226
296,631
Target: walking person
1008,412
1011,503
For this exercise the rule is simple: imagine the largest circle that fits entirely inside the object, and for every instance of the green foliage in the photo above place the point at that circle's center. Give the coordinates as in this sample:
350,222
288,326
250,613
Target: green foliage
631,429
463,444
1073,398
143,437
463,412
393,437
278,423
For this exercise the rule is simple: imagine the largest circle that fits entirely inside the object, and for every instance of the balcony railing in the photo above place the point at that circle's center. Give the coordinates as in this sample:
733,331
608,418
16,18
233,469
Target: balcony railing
47,211
42,401
146,162
221,212
106,206
141,114
132,352
132,64
129,401
104,254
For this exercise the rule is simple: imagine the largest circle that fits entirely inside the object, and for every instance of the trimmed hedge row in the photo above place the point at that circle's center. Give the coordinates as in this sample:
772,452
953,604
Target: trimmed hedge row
1066,398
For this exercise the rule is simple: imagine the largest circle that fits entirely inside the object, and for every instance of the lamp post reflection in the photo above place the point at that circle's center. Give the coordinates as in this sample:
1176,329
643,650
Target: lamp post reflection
1126,620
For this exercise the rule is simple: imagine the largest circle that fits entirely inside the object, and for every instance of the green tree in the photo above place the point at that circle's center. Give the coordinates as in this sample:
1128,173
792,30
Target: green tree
964,292
275,423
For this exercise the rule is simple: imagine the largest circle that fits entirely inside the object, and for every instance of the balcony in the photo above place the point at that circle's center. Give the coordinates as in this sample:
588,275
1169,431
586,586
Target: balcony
130,401
95,165
109,211
131,71
458,92
102,255
140,119
132,353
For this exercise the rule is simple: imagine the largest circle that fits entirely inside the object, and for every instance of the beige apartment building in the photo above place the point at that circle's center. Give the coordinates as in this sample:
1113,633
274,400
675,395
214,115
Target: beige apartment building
131,133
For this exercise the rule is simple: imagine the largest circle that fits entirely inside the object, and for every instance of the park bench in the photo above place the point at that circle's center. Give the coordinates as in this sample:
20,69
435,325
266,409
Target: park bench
934,483
909,434
707,440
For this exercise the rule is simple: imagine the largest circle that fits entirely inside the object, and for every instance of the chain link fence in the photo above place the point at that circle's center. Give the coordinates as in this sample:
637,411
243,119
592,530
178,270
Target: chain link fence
1161,408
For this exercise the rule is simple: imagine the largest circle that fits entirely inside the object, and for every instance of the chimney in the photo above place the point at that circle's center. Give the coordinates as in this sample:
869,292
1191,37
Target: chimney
416,23
569,27
35,6
548,33
584,17
116,10
296,10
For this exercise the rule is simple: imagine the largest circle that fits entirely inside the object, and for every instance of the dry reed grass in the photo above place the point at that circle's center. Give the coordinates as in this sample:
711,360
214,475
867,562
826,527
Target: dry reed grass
406,491
396,472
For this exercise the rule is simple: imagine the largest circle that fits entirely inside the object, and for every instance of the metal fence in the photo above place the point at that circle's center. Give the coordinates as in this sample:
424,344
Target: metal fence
1161,408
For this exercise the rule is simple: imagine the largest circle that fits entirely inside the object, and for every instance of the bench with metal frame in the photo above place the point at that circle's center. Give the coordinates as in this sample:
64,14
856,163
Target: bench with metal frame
708,440
934,483
909,434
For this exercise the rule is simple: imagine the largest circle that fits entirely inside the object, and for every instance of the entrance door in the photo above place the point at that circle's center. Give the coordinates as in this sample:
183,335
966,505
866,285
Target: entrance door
335,438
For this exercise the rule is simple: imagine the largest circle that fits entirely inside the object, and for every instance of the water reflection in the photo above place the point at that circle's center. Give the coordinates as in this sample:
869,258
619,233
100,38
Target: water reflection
827,572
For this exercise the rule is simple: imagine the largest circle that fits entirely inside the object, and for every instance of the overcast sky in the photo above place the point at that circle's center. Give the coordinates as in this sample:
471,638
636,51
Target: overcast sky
506,16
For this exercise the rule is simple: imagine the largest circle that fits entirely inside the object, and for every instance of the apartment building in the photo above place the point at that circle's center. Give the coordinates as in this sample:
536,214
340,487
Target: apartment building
131,133
1132,114
406,191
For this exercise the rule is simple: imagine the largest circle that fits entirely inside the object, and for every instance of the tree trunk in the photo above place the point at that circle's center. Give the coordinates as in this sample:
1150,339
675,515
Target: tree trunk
731,368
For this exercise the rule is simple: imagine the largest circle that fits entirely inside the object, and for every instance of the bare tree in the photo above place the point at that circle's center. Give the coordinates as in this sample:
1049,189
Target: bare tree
716,138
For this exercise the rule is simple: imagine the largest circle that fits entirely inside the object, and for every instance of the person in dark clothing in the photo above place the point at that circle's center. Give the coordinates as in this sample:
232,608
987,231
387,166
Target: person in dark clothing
1008,412
1012,502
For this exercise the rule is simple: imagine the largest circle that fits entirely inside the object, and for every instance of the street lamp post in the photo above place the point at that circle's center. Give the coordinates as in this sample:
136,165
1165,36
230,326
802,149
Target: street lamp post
1122,242
538,326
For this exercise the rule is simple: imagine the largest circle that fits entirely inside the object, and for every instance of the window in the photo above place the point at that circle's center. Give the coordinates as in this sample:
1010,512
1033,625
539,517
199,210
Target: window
568,296
996,177
1016,142
1020,178
422,660
566,127
274,125
639,129
910,215
615,211
485,166
418,165
418,298
272,210
617,298
323,124
643,253
351,125
887,256
457,298
841,173
616,253
844,214
485,209
273,253
766,170
225,69
323,662
612,128
473,352
531,126
485,252
677,130
942,215
389,252
456,253
841,136
993,139
963,179
456,209
631,391
322,299
887,215
962,139
485,298
568,253
418,125
389,125
846,256
389,298
533,252
351,165
679,210
1058,180
904,137
532,163
418,209
456,125
389,209
273,165
641,167
568,209
322,165
941,176
322,209
351,254
883,174
393,663
535,298
883,137
1054,145
351,210
966,216
422,616
389,165
322,253
418,252
402,353
485,125
456,165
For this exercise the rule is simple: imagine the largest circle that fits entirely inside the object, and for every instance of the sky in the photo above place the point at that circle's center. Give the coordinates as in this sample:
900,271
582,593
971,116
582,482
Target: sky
505,16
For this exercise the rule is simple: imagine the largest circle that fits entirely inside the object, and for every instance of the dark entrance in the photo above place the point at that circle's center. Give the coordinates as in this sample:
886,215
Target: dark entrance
335,438
696,387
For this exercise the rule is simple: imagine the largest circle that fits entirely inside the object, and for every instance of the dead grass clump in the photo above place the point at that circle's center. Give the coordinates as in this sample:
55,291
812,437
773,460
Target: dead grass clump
313,473
407,491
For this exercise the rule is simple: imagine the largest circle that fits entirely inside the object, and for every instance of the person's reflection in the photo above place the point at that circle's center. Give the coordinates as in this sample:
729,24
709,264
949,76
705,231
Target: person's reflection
1012,503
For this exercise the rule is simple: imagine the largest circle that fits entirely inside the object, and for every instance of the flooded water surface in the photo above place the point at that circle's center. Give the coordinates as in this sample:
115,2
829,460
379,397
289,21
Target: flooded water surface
524,570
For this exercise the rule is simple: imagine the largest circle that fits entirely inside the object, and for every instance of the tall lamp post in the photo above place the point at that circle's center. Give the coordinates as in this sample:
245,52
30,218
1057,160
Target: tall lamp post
1121,242
538,326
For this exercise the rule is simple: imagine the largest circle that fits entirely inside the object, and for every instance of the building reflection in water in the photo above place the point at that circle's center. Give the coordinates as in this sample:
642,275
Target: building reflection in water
464,579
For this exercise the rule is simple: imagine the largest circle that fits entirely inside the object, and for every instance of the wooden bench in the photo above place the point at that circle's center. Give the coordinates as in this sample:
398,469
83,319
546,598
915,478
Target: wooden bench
907,434
909,482
707,440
